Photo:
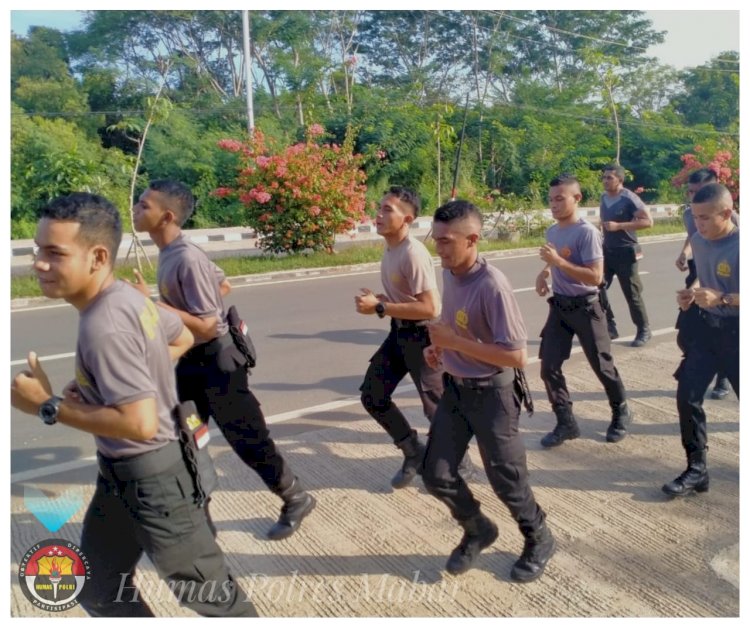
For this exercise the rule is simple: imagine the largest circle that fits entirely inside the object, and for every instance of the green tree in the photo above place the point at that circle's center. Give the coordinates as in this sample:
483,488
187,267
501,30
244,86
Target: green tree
41,55
53,157
712,93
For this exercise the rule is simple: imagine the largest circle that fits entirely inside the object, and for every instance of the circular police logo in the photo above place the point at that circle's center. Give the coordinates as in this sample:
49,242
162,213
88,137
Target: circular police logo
53,573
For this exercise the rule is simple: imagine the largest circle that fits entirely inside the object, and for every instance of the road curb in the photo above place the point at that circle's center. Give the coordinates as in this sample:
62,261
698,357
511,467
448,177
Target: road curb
286,275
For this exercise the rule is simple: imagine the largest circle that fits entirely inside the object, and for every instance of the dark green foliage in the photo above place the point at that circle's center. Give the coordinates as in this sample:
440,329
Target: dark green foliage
543,89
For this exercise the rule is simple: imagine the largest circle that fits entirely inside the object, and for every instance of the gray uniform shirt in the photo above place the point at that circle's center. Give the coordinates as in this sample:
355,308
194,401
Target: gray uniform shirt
189,281
122,357
620,209
579,244
407,270
481,306
717,263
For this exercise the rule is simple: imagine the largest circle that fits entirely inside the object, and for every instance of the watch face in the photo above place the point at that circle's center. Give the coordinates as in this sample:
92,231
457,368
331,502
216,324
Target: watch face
48,412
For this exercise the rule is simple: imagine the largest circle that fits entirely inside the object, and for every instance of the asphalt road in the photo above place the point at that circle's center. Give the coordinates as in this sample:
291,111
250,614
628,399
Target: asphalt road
313,347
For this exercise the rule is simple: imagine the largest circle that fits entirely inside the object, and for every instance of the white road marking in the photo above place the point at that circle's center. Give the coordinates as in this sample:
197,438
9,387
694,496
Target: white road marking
33,474
46,358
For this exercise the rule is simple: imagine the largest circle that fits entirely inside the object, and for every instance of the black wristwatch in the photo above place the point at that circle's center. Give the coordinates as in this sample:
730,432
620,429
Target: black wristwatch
380,309
49,409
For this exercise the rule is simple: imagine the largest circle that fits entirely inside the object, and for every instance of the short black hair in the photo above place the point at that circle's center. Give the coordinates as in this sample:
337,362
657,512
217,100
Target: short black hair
179,197
710,193
617,169
457,210
703,175
99,219
407,195
564,179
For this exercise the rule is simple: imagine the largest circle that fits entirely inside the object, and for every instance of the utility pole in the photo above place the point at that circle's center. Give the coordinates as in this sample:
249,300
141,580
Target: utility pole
248,72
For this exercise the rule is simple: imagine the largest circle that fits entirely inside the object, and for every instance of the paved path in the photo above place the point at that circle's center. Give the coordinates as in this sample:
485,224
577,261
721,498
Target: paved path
625,550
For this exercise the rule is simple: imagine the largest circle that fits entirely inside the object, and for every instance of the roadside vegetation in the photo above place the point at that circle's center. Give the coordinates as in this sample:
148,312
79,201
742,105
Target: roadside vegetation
360,253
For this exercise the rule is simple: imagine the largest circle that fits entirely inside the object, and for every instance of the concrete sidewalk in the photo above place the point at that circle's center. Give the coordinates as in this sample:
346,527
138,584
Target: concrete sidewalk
625,550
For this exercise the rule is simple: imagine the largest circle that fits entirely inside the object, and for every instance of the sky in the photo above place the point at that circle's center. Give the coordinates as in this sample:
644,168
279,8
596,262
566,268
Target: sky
693,37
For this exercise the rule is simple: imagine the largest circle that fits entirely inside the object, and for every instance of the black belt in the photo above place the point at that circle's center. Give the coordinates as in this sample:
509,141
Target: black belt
498,380
714,321
209,349
566,302
141,466
401,323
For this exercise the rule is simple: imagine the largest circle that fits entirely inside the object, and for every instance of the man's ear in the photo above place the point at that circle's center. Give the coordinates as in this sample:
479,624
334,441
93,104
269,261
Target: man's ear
409,218
168,217
100,257
473,238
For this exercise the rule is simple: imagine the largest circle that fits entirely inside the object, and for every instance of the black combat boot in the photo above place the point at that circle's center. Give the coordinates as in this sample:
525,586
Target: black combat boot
641,337
621,418
413,459
612,330
566,428
692,479
297,505
479,533
537,550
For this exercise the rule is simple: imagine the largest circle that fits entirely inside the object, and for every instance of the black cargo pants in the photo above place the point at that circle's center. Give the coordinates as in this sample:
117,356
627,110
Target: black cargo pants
402,352
489,412
621,263
213,375
715,347
583,317
157,515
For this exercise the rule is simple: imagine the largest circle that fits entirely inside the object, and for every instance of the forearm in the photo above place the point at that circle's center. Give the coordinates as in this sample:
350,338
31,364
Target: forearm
735,297
204,329
415,311
176,352
640,222
181,344
490,353
110,422
584,274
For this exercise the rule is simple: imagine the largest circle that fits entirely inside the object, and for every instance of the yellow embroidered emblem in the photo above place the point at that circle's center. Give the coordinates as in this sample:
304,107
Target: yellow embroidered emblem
565,252
193,422
81,379
462,319
723,269
149,318
395,278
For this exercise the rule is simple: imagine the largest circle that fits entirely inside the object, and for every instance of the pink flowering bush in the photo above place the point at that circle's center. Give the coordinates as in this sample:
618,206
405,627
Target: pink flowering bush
723,162
299,197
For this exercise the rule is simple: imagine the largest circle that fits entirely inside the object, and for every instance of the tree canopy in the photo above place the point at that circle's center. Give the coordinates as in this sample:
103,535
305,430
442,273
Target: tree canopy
547,91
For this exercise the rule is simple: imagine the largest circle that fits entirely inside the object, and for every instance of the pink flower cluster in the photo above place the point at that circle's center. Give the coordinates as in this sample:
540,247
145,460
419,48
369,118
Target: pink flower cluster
233,146
298,197
316,130
723,162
